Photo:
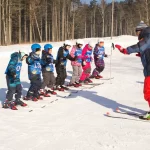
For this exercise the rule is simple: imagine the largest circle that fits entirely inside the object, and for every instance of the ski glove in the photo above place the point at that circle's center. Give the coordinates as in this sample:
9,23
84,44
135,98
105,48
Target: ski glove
106,55
138,55
121,49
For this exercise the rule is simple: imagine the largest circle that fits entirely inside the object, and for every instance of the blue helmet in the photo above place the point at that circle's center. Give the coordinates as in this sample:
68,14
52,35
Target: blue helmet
35,46
47,46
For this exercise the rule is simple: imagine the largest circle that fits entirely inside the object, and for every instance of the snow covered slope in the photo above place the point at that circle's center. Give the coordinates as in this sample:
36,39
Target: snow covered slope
79,122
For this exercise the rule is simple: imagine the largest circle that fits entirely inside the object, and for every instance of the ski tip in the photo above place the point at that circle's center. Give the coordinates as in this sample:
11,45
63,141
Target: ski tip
107,114
117,109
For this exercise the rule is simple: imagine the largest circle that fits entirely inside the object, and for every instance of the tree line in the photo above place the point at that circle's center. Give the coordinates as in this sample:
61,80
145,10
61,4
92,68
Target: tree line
28,21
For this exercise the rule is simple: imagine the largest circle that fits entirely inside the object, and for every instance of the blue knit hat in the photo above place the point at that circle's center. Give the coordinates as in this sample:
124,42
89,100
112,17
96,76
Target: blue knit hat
141,26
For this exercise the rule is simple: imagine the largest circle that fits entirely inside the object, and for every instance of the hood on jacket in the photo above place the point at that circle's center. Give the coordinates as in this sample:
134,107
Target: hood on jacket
85,49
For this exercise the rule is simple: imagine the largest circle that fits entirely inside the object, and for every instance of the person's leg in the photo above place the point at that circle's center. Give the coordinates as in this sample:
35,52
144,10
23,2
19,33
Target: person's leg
50,87
79,73
52,80
95,72
9,103
58,78
38,84
88,70
63,75
84,74
75,74
11,89
46,79
147,90
18,96
30,90
18,91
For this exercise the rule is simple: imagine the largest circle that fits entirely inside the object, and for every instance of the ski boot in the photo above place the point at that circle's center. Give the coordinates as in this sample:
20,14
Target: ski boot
83,82
99,76
59,88
64,87
51,91
21,103
34,99
78,84
46,94
73,84
88,80
39,97
9,104
42,92
146,116
92,77
26,98
13,105
6,104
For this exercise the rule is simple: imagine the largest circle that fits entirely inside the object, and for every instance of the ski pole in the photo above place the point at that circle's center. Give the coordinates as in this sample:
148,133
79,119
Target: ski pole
112,48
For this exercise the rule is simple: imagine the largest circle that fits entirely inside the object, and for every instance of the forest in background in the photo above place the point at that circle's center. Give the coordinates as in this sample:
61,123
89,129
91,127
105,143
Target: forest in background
28,21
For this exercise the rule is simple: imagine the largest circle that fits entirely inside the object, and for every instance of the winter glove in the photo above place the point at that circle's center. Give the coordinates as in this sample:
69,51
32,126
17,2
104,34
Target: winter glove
121,49
75,58
14,76
106,55
138,55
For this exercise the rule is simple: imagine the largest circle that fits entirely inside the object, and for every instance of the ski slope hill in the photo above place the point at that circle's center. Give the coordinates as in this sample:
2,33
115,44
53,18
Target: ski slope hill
78,122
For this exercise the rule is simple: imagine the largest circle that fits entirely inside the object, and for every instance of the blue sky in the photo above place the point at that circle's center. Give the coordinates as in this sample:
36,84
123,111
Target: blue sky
87,1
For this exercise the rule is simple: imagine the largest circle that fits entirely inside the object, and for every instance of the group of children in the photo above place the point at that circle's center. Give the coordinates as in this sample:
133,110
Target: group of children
81,64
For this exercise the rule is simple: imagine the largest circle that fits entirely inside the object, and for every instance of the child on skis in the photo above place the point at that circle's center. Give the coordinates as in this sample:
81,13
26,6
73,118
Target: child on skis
62,56
99,54
48,71
13,81
86,62
34,73
76,65
143,50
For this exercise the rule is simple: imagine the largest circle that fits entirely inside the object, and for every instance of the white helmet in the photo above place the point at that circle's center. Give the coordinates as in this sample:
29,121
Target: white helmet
67,43
91,44
100,40
80,41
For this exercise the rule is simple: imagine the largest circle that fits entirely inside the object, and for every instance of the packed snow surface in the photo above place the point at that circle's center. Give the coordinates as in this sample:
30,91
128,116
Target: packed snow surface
78,122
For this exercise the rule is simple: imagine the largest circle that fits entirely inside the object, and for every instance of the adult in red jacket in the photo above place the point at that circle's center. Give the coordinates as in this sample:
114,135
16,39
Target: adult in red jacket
143,50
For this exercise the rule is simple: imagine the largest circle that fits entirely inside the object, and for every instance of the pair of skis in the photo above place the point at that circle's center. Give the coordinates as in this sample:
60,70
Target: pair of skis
137,116
69,93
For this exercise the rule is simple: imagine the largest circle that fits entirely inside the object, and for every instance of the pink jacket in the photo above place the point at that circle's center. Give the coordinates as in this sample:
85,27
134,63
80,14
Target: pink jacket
74,63
86,56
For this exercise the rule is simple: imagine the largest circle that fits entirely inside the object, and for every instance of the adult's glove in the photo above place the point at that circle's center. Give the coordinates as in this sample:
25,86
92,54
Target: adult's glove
121,49
138,55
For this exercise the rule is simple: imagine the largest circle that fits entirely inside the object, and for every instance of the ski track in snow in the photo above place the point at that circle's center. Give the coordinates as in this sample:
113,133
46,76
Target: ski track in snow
78,122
